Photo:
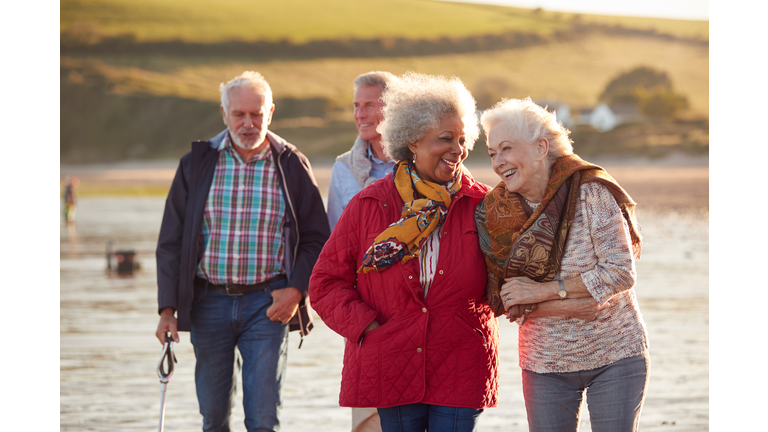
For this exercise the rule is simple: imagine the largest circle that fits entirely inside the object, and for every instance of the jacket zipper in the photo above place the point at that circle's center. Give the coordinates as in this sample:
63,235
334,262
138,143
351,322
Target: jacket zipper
290,205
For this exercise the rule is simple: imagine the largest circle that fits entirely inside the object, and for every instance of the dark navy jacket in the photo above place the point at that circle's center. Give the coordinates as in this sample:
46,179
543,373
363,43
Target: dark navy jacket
306,226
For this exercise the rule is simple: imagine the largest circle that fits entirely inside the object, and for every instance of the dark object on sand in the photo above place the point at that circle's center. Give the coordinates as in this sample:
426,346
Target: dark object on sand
170,358
121,261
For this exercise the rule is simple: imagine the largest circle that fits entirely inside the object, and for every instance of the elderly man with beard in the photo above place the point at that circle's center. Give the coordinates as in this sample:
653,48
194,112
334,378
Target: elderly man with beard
243,226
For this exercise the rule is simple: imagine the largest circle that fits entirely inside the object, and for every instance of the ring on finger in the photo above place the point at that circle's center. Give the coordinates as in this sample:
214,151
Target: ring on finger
527,311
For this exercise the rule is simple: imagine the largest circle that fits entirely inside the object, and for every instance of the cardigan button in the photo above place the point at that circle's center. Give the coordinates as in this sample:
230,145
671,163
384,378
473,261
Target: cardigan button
385,204
410,277
418,349
441,272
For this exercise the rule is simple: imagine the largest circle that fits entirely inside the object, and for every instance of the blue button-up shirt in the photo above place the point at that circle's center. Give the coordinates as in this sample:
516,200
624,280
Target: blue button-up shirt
343,185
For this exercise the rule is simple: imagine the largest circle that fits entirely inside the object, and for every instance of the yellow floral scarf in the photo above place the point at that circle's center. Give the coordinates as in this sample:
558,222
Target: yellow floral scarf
426,204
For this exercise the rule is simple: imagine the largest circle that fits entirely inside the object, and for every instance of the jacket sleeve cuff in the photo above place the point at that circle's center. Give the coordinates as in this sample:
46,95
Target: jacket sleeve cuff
292,283
160,309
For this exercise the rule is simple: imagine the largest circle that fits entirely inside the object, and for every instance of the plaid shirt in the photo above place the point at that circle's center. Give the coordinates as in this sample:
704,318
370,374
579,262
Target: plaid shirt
242,238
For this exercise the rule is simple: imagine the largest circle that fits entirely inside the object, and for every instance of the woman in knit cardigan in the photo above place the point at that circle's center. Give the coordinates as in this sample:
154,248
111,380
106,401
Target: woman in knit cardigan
560,238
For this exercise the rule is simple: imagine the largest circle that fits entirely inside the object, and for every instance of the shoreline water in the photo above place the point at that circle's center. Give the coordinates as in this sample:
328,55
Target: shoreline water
679,182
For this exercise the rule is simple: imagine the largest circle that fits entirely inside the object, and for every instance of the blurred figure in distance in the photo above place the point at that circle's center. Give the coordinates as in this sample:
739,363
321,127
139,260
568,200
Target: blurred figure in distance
70,207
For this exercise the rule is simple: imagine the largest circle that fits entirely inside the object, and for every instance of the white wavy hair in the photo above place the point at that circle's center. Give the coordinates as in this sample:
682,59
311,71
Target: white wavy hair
251,79
530,122
415,103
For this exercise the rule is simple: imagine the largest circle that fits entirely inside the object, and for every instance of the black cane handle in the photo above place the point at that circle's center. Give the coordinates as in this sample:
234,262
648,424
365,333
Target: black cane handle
165,371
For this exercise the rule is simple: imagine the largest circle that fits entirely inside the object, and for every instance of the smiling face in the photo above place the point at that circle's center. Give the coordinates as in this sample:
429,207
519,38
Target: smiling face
522,166
367,105
247,118
440,153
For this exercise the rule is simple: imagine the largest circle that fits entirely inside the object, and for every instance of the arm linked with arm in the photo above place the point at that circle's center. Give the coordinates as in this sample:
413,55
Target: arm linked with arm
582,308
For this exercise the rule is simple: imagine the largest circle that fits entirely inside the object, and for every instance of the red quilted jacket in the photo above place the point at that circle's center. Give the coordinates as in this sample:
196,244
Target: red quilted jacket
443,350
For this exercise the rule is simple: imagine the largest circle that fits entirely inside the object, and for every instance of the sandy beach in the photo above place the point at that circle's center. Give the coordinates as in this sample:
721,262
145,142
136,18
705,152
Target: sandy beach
108,354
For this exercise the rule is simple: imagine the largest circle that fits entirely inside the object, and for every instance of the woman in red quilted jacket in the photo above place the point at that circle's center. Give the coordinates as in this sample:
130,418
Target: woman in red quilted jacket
402,276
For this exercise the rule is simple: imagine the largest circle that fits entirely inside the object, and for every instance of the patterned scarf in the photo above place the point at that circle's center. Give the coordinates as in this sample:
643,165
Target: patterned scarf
426,205
533,246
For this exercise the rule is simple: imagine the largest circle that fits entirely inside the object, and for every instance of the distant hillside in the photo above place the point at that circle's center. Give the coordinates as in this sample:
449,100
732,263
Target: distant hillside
86,22
140,79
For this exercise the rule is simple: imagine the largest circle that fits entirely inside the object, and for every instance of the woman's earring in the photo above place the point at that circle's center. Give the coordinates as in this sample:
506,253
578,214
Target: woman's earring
414,158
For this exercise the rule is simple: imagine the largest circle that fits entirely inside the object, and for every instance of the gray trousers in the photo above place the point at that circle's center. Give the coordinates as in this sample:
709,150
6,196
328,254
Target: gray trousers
615,393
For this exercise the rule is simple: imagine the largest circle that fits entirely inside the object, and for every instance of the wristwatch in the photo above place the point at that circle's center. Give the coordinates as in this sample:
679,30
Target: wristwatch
562,292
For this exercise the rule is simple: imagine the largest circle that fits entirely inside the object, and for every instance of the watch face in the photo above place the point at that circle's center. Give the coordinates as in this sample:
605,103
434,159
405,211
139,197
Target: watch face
562,293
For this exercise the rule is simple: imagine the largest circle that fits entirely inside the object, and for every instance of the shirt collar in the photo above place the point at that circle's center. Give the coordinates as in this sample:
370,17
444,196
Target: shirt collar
373,158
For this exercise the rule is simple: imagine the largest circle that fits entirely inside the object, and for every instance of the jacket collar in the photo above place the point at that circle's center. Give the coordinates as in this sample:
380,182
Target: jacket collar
216,141
471,187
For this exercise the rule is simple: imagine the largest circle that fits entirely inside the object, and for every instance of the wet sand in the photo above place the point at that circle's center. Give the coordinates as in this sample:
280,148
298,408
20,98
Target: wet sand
108,354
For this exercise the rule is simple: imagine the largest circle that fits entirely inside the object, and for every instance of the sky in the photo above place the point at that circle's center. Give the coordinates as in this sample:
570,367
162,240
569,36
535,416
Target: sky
678,9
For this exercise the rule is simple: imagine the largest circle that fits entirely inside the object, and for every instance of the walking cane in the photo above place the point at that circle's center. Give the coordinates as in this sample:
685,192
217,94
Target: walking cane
170,359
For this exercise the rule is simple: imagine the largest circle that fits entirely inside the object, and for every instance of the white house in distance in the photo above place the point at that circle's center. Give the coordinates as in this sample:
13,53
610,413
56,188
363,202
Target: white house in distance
561,110
605,117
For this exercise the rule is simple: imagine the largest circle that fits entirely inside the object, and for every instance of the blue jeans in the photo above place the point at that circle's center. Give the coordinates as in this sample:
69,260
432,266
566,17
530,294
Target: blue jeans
219,324
421,417
615,395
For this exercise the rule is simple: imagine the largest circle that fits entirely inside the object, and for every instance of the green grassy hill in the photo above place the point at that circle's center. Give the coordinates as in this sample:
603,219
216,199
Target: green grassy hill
300,21
140,79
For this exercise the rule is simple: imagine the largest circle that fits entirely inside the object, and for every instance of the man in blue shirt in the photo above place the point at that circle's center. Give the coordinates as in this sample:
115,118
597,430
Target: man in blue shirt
365,162
359,167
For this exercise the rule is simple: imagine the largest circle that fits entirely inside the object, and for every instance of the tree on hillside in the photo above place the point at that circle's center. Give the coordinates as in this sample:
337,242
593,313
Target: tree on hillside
661,102
650,89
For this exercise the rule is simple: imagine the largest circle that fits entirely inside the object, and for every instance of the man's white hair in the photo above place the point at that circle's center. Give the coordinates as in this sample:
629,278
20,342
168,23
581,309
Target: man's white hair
374,79
528,121
251,79
416,103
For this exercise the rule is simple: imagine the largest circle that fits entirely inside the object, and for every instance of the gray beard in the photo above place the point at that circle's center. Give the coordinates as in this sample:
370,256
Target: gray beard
242,145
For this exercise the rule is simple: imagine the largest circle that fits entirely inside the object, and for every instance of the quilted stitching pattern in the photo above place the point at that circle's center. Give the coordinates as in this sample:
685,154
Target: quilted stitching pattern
447,355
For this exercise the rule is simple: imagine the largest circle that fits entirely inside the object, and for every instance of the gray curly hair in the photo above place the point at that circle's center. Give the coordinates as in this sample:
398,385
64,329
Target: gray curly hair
529,122
415,103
